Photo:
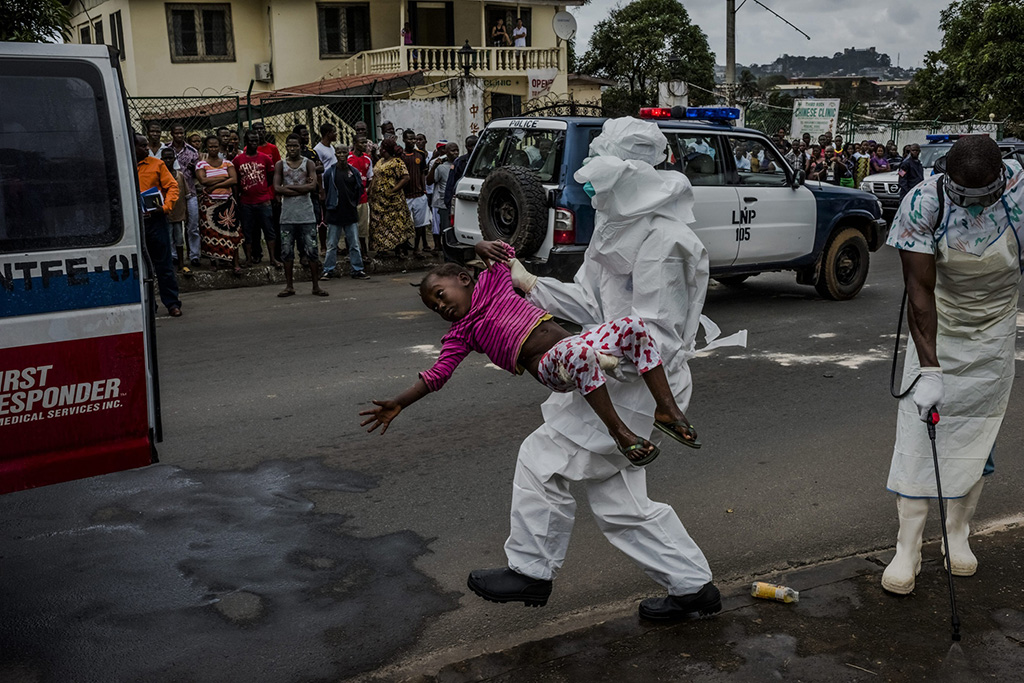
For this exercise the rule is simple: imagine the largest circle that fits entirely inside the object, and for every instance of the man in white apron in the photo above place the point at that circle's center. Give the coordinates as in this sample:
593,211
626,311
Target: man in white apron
961,266
643,260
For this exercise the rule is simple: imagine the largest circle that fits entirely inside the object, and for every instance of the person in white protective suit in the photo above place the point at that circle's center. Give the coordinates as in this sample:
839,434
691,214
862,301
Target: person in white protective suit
962,266
643,260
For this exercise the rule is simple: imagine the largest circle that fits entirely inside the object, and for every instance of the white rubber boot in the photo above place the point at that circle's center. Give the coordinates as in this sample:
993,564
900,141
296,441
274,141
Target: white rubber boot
959,512
899,576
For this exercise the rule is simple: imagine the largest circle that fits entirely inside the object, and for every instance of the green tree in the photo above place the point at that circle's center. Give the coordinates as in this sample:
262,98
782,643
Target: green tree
633,45
747,86
979,70
34,21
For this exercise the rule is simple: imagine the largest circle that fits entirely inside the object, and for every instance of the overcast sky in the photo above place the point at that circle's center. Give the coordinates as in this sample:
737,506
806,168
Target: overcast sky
907,27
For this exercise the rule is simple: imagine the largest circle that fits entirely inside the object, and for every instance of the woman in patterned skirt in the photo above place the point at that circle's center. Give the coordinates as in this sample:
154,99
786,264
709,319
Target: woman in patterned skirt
219,228
390,220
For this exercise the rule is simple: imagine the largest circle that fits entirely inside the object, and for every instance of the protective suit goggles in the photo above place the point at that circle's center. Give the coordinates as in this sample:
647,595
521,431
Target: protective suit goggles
976,196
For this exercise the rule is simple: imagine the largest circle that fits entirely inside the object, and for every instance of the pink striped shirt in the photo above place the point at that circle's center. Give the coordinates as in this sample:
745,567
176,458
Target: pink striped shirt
497,324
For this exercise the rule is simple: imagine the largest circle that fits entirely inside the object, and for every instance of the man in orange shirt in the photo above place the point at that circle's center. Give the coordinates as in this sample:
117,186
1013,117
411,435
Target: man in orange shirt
153,173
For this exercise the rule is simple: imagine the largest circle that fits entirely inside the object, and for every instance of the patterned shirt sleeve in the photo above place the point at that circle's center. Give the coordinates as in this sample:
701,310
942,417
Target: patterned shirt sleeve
453,351
913,228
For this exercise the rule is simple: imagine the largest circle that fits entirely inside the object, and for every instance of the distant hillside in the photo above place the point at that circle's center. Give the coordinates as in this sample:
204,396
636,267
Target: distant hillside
867,62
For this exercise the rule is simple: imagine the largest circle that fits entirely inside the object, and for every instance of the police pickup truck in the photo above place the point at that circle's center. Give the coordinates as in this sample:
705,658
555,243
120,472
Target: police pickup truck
753,212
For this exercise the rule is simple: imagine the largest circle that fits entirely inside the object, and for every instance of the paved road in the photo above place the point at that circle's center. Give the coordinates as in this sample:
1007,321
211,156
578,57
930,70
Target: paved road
278,542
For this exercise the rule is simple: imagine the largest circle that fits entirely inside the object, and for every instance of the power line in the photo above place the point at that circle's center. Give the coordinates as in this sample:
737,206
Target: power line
779,16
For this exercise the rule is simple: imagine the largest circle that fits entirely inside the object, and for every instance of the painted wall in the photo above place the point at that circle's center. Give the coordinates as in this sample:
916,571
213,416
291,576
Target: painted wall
100,10
283,32
441,119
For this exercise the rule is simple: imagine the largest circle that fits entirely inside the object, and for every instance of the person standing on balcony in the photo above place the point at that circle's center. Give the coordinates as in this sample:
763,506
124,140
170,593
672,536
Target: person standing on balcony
415,191
499,34
519,33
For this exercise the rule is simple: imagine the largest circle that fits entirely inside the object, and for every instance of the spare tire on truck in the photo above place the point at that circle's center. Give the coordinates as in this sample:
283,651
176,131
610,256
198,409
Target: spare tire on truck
512,208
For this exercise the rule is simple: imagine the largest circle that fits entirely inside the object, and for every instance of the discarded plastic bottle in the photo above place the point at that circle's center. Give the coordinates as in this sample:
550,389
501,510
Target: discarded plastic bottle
760,589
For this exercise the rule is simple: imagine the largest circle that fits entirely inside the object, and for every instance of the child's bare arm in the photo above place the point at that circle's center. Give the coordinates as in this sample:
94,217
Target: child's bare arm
388,410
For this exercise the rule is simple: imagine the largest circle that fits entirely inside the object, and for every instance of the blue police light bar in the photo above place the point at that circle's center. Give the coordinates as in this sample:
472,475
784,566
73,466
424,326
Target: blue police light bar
713,113
941,138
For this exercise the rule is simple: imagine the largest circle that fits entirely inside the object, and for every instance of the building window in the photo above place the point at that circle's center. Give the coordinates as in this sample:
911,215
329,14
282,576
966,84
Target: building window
85,34
117,33
97,32
200,32
344,28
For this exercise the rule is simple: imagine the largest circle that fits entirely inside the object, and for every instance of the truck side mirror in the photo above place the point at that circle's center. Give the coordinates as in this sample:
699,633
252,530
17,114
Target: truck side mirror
801,176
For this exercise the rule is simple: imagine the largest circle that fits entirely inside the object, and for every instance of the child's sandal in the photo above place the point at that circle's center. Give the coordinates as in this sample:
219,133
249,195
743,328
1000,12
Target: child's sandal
671,428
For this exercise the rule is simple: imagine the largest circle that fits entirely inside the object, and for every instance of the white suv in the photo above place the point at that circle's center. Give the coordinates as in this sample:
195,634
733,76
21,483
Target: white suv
753,212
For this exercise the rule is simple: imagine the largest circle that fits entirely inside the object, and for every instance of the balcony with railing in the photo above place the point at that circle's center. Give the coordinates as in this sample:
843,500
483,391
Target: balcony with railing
485,62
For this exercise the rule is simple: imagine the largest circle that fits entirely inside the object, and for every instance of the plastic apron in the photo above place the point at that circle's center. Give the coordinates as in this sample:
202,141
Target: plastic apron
976,303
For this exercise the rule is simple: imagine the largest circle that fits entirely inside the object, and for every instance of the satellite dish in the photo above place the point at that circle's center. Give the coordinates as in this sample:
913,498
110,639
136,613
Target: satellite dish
564,25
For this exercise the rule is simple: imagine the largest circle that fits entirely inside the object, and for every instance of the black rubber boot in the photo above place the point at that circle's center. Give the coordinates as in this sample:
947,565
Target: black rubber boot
678,607
505,585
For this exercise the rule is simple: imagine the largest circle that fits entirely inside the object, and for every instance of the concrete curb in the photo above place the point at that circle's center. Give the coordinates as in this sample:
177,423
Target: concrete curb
844,628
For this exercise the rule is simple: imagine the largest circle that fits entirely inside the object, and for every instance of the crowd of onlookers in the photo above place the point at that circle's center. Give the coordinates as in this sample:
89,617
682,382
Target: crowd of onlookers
833,160
236,199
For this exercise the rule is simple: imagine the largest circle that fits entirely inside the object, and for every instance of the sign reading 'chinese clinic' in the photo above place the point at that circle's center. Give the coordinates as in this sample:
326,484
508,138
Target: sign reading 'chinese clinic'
815,117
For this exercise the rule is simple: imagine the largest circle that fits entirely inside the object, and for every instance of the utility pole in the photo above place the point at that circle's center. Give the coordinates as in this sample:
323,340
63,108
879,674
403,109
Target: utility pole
730,51
730,42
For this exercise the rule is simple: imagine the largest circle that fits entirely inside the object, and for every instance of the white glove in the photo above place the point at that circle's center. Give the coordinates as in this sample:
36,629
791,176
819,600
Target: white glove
522,279
928,392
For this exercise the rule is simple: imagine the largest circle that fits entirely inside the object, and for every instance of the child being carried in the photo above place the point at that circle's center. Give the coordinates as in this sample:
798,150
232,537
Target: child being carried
489,317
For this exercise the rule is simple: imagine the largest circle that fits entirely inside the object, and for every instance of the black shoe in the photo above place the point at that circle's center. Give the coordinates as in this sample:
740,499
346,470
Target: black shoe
505,585
677,607
360,275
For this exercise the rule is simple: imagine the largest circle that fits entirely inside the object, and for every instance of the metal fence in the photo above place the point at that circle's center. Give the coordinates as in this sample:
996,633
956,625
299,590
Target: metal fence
199,114
205,114
281,115
854,125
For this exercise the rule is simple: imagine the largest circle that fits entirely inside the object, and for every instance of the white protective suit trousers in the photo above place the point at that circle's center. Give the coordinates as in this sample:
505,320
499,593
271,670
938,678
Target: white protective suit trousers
543,512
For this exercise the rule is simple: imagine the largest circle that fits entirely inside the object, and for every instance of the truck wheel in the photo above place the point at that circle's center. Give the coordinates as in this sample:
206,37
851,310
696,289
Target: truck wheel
732,280
512,208
844,267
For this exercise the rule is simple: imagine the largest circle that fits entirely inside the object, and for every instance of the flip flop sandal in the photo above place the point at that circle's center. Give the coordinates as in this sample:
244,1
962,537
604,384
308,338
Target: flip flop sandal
669,428
321,292
286,292
647,459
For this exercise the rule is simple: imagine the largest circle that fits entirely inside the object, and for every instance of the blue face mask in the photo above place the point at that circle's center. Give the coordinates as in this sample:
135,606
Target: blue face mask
588,187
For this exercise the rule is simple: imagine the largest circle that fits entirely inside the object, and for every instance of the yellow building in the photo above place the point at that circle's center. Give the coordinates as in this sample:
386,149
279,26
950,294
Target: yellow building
174,48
